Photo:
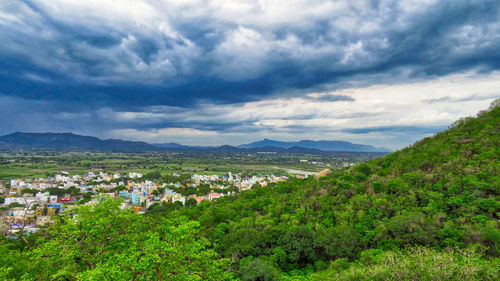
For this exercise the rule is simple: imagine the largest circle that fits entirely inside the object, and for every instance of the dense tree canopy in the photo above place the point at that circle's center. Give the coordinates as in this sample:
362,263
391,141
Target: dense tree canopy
441,192
104,242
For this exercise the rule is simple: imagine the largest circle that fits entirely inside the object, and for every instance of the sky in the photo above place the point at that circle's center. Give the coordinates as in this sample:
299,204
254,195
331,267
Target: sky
198,72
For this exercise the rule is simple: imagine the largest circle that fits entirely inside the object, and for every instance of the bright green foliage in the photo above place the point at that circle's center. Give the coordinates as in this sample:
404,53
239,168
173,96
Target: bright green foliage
12,259
104,242
417,263
441,192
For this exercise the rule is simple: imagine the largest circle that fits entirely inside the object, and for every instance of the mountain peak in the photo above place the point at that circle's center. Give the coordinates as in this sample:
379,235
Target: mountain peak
325,145
71,141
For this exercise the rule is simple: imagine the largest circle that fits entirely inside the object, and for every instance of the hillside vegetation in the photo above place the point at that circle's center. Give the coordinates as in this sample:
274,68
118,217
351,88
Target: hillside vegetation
442,193
427,212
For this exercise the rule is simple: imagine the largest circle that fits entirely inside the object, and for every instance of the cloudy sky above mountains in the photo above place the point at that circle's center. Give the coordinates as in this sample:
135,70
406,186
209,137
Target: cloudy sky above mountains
383,72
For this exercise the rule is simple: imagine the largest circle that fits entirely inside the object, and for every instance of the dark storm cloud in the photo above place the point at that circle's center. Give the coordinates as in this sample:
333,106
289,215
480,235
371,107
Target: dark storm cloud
60,59
85,61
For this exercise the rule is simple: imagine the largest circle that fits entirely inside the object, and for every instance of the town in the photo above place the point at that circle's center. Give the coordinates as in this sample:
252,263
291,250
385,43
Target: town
28,204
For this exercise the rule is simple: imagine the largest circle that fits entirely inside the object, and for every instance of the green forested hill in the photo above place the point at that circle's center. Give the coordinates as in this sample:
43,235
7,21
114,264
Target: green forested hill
428,212
442,192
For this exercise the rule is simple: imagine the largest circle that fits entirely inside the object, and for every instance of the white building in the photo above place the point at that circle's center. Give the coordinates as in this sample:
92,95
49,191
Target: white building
179,198
134,175
20,200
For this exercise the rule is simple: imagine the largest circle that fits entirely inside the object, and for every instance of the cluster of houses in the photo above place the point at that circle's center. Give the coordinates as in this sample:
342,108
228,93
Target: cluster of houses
63,180
44,198
242,183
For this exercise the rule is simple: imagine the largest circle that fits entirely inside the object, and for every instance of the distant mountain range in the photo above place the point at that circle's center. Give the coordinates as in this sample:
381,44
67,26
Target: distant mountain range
343,146
70,141
174,145
267,145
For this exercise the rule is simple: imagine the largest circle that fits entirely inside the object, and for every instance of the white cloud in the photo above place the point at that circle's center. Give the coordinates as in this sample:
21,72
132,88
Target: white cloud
397,105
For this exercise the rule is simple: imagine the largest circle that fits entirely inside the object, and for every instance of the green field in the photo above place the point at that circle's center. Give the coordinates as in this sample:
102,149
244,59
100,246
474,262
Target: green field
32,164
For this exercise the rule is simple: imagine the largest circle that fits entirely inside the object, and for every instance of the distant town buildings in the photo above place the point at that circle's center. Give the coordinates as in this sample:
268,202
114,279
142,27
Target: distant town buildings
40,199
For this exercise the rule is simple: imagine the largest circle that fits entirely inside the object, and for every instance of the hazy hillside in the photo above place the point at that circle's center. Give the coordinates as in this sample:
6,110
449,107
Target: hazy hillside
303,146
321,145
70,141
441,192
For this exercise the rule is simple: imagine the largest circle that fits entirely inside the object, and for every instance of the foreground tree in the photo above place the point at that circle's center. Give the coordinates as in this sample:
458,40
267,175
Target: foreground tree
104,242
